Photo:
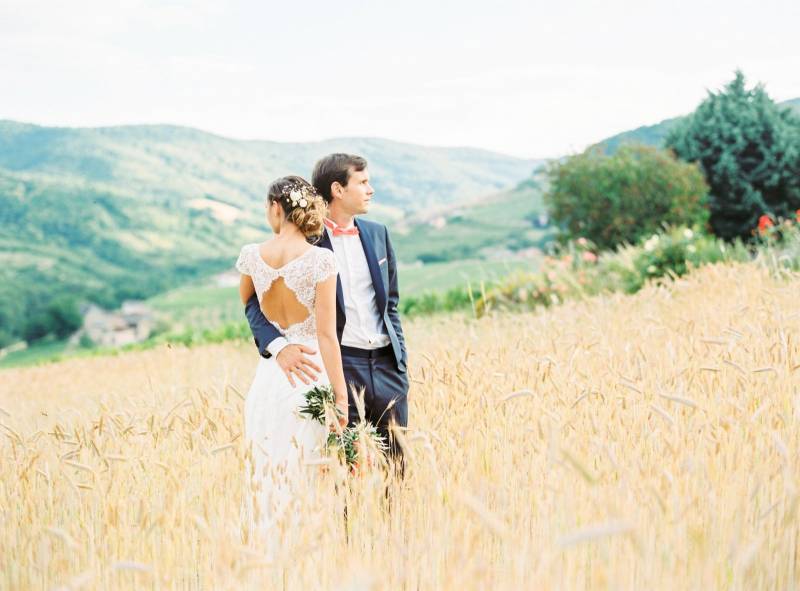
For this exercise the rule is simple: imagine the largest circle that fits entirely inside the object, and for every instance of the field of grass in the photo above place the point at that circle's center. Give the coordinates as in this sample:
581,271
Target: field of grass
207,306
504,220
444,276
34,354
223,302
634,442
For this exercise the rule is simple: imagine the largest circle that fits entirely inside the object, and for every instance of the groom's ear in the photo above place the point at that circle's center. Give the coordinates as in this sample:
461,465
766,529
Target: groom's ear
336,189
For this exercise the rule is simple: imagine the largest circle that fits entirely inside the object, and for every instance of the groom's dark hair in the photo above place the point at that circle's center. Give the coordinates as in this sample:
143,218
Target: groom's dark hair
335,168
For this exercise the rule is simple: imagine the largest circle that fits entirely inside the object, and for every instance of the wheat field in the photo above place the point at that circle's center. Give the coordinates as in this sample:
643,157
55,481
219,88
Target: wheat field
622,442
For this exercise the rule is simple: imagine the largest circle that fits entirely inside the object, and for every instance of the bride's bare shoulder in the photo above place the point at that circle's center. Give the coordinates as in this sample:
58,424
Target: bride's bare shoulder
269,243
323,252
268,248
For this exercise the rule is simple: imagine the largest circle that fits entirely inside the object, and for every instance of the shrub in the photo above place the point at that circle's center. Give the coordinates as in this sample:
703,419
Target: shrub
672,254
617,198
577,271
432,302
59,318
778,244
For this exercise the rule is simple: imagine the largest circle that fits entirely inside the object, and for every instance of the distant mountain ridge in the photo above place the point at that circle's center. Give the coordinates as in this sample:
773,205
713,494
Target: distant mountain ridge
162,161
655,135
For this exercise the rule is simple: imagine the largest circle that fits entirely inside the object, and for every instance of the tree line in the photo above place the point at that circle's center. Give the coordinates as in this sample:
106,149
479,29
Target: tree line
732,162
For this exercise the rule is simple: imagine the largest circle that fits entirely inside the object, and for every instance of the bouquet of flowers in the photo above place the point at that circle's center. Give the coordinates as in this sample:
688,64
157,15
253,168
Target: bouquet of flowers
359,445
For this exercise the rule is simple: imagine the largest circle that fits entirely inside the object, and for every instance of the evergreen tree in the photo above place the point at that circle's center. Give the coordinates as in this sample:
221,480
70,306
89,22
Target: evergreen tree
749,149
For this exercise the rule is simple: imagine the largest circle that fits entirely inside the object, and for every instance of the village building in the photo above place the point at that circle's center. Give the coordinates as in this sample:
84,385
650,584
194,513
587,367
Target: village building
132,323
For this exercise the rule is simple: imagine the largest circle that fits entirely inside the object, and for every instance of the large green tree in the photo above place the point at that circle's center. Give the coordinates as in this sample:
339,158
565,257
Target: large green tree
621,197
749,150
59,318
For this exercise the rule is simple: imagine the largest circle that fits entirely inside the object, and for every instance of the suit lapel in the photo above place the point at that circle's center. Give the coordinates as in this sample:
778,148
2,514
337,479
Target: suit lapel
325,242
374,269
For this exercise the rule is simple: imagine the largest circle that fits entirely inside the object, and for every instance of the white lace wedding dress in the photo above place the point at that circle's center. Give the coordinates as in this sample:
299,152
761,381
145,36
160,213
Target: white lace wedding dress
285,444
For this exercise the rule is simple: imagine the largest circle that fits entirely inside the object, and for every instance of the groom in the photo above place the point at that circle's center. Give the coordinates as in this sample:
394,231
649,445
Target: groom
367,320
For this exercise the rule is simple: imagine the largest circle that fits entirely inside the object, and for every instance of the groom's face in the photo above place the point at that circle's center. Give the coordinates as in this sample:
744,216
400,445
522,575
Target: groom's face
357,195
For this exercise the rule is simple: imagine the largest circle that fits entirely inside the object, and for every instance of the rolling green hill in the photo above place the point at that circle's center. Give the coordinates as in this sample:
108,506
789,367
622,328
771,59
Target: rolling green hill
169,165
481,228
114,213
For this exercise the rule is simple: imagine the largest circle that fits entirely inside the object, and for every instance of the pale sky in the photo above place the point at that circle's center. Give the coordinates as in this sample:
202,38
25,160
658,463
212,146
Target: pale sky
531,79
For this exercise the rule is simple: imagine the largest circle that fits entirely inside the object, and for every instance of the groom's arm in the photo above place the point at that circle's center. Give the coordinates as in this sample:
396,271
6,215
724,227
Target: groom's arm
393,297
269,340
294,362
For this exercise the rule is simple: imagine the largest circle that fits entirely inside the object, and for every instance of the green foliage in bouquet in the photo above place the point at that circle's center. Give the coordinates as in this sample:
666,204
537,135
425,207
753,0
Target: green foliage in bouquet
319,401
349,442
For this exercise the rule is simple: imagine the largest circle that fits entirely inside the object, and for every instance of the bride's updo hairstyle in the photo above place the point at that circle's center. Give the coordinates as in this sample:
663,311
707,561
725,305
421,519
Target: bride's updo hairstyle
302,204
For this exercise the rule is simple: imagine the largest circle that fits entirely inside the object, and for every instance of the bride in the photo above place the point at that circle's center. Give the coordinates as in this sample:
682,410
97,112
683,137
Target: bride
295,283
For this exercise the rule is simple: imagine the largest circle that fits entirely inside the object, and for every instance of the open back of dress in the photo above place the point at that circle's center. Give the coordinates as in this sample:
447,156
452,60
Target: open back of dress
287,294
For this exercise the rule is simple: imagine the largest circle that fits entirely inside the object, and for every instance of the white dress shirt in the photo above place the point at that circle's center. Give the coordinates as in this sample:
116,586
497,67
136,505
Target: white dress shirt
363,327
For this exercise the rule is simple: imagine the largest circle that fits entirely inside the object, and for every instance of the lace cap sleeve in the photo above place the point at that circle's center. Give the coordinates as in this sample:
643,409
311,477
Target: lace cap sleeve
243,262
326,265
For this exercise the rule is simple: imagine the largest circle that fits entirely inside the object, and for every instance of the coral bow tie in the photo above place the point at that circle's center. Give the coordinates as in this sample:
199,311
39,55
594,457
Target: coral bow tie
339,231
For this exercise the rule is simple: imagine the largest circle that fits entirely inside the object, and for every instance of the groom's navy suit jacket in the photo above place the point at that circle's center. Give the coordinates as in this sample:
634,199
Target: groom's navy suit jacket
383,269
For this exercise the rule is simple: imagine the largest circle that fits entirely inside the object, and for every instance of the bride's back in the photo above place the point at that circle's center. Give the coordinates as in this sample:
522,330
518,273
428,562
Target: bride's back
285,279
279,302
276,254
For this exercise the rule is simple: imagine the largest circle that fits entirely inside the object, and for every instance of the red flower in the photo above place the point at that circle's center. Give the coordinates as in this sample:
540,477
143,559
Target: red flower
798,216
764,222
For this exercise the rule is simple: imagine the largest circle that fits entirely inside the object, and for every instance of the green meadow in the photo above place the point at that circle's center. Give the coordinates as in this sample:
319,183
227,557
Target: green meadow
200,306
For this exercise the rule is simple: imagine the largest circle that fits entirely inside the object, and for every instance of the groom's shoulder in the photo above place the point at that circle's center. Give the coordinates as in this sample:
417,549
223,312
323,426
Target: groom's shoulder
372,225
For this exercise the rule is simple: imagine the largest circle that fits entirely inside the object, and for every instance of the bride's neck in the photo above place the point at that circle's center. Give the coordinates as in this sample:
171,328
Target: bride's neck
288,231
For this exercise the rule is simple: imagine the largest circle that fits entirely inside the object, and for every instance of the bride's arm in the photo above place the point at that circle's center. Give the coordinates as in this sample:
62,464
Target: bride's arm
246,288
325,310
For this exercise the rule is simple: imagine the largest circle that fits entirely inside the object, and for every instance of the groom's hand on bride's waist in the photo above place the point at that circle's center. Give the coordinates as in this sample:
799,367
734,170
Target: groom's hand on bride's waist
294,361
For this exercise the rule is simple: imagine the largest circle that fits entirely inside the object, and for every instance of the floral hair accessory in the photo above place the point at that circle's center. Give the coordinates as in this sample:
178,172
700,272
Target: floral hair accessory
298,198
